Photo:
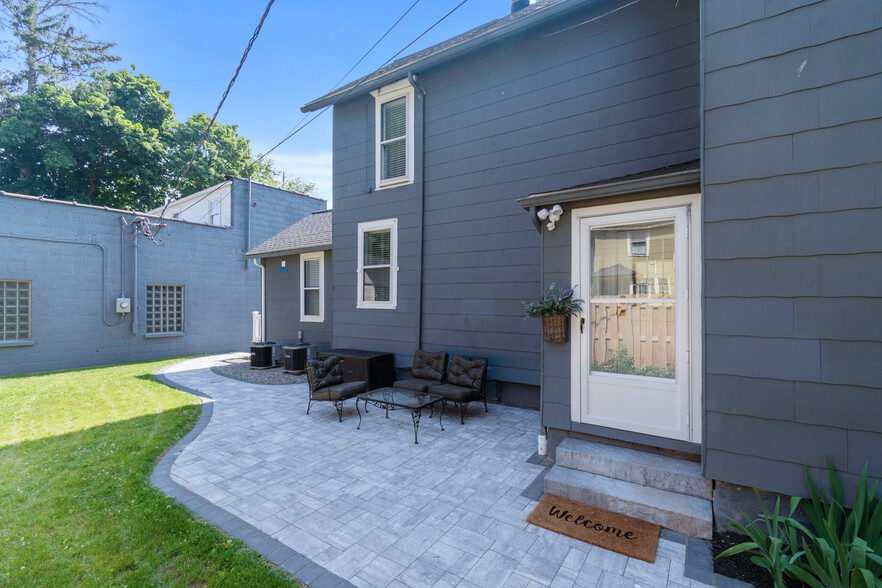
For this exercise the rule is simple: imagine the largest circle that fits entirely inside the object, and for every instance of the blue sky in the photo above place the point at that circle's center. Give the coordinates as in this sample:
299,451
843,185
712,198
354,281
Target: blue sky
192,48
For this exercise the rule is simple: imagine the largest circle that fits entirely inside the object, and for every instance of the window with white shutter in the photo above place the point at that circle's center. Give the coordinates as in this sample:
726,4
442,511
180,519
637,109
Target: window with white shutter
312,280
377,264
394,142
214,212
15,311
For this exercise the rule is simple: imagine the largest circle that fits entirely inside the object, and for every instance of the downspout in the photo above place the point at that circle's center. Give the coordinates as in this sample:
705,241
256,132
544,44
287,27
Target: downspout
411,77
262,298
134,282
248,227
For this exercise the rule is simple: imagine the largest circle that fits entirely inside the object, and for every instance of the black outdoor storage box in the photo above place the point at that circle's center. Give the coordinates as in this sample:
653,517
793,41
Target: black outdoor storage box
375,368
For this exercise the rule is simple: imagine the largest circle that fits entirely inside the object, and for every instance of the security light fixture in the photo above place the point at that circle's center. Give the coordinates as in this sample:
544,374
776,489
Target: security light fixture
551,216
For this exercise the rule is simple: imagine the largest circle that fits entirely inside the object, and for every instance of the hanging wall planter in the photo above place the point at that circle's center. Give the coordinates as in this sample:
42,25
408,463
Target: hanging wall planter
556,328
555,307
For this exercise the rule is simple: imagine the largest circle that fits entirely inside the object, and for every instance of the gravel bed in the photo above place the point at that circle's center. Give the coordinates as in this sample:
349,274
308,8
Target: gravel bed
240,369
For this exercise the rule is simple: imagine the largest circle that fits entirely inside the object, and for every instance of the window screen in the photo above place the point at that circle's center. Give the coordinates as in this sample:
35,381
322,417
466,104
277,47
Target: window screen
311,287
377,266
165,309
15,310
394,139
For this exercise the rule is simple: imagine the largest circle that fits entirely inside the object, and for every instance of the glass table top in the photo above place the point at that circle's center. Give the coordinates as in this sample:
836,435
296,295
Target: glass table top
403,398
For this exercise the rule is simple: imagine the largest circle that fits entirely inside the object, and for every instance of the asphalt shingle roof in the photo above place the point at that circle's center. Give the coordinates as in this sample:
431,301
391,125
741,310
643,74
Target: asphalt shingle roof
312,232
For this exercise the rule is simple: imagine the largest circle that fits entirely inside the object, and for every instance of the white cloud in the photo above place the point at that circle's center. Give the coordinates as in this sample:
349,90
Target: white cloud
313,166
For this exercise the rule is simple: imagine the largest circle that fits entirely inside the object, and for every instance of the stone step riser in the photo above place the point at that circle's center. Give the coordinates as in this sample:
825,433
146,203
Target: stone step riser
638,467
678,512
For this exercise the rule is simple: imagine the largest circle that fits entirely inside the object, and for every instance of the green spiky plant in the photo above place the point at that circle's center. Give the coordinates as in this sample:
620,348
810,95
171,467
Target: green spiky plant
555,300
839,548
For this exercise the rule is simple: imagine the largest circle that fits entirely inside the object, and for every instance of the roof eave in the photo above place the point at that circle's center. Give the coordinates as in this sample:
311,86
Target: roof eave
443,55
285,252
681,180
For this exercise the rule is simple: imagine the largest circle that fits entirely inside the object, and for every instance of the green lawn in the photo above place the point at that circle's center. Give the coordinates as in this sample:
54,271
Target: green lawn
76,507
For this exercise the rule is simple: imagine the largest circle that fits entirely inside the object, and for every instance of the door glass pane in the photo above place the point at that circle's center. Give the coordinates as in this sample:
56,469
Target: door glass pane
633,338
633,261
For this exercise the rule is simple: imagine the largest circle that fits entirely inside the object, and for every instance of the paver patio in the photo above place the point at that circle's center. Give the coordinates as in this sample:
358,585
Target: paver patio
377,510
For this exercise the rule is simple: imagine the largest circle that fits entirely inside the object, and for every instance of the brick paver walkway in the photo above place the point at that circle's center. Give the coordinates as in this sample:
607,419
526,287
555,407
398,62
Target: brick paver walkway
377,510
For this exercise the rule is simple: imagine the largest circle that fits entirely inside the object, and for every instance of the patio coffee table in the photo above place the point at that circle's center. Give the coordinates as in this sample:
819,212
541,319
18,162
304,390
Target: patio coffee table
395,398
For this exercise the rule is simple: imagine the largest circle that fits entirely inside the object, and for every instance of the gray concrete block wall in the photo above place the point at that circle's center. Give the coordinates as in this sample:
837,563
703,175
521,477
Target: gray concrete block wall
791,165
541,112
67,298
283,303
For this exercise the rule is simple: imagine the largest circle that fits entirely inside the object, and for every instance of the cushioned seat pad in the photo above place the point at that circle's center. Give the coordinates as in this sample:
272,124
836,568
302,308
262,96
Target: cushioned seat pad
415,384
340,391
456,393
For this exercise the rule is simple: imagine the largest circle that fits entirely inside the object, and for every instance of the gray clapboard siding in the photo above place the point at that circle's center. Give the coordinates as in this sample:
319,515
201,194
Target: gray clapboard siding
283,303
791,167
553,108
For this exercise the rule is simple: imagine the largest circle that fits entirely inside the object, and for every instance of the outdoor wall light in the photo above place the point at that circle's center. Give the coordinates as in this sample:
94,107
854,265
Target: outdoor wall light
551,216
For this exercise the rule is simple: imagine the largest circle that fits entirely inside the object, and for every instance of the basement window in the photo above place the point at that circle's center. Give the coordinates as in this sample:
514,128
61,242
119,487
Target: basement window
15,312
165,310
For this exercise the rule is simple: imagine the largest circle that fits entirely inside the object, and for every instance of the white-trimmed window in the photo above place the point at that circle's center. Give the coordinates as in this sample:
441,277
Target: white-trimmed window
214,212
312,280
15,311
165,309
378,264
394,134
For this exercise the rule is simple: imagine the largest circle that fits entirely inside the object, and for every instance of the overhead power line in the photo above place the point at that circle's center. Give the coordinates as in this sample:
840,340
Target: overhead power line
338,99
223,99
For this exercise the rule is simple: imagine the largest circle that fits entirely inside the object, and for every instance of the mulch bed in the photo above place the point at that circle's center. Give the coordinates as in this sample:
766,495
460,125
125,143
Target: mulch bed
739,566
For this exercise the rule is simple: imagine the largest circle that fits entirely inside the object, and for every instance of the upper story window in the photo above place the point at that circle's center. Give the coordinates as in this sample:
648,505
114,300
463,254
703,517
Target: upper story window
214,212
378,264
312,280
394,134
15,310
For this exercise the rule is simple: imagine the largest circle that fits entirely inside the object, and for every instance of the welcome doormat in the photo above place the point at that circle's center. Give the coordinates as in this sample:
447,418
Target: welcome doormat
610,530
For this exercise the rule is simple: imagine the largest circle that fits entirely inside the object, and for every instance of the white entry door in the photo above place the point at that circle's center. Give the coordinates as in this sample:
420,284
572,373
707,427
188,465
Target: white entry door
634,342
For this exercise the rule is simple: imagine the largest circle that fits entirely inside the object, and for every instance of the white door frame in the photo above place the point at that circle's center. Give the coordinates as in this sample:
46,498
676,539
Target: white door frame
694,301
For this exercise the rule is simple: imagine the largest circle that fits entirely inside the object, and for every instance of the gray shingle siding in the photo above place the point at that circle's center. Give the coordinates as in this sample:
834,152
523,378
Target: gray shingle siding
551,109
283,303
791,167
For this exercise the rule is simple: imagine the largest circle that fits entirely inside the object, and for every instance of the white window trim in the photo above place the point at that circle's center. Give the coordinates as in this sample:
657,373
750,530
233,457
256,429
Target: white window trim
320,318
392,225
212,215
382,96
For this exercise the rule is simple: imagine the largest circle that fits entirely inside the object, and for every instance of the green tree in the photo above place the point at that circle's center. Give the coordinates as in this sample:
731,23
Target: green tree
224,152
295,184
46,48
102,142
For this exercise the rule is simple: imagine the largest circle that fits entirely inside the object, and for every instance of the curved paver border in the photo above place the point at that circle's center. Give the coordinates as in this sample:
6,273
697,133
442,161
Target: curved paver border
296,564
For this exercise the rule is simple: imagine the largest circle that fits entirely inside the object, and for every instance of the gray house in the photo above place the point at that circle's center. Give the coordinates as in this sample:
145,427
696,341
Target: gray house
84,285
297,282
717,165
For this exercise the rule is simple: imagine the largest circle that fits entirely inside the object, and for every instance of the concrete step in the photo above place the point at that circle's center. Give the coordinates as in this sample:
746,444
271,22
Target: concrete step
639,467
684,514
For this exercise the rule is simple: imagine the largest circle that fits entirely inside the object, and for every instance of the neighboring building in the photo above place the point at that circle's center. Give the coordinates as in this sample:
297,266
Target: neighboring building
64,265
297,282
718,166
210,206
